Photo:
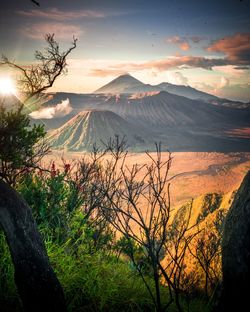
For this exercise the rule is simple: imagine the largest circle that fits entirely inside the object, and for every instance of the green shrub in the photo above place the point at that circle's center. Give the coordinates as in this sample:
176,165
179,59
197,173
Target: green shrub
53,200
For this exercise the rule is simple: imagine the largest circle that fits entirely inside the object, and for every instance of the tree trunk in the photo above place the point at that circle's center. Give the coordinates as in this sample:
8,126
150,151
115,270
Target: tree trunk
37,284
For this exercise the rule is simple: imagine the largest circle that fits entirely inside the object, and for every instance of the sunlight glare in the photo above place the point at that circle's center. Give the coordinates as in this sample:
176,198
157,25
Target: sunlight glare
7,86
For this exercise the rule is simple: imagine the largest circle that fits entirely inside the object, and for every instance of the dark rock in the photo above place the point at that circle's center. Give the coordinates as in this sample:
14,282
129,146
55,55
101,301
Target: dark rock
236,252
37,284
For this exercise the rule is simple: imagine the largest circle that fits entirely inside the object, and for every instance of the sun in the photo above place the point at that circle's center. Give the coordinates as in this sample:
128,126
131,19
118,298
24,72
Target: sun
7,86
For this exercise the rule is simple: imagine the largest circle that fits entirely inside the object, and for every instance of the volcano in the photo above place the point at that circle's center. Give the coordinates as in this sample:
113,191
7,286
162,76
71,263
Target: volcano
95,128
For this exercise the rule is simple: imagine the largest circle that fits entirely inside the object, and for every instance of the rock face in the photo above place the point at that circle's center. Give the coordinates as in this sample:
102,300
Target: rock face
37,284
236,252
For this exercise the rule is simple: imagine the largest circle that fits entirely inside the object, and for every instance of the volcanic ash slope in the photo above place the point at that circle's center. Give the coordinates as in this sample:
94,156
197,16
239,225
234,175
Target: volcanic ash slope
96,127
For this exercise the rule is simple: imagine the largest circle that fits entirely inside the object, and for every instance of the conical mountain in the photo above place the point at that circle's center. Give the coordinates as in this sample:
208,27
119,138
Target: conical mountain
96,127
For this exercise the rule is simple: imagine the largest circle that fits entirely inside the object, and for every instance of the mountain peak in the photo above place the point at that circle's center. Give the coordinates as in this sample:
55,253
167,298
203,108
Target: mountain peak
125,76
122,84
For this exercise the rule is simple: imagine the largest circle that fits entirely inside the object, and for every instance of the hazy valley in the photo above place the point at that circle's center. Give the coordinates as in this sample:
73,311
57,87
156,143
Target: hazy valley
192,174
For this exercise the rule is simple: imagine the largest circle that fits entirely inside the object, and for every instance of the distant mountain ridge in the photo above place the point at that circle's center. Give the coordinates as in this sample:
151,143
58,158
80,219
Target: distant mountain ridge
129,84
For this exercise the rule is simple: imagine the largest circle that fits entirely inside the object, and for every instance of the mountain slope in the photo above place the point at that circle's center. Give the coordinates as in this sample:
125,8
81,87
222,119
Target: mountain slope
128,84
95,127
186,91
168,110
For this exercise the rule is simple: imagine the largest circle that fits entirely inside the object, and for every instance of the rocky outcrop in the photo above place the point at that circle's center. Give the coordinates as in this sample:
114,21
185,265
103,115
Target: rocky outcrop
236,252
37,284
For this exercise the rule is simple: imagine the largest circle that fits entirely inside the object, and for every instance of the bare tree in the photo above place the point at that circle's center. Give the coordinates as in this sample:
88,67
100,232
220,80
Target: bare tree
136,202
37,78
89,178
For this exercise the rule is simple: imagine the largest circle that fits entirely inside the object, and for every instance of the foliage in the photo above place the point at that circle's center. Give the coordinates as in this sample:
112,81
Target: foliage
53,201
19,148
99,269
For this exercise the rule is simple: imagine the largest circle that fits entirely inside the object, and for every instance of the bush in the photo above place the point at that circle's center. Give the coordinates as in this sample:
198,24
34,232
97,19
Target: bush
53,201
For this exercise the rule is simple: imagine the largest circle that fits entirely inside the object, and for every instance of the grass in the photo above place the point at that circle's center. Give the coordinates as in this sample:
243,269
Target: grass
100,283
91,283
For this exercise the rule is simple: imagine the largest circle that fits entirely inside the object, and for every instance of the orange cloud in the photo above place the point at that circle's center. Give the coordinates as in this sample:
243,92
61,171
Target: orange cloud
236,48
160,65
182,43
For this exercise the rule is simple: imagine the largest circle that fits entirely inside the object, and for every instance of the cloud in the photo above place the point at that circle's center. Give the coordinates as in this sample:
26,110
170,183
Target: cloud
62,31
59,15
177,78
226,90
59,110
179,62
185,46
181,42
236,48
230,70
238,92
223,82
242,68
97,72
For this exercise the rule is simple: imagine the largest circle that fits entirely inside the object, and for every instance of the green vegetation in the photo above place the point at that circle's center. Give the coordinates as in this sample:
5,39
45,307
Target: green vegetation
98,269
18,144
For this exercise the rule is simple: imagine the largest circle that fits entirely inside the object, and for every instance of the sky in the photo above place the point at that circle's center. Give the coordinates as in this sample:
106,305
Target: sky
203,44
